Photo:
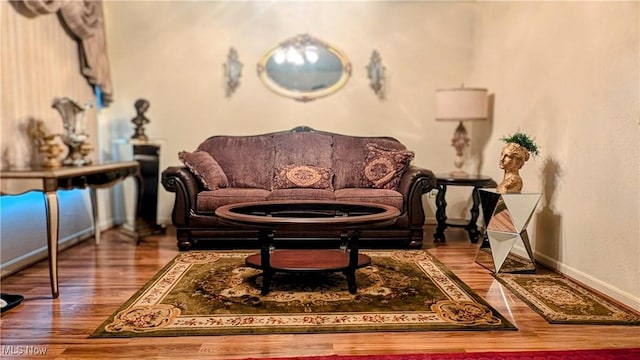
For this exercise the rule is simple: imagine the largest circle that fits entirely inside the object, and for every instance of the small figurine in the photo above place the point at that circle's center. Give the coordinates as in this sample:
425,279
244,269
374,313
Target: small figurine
45,143
140,120
512,158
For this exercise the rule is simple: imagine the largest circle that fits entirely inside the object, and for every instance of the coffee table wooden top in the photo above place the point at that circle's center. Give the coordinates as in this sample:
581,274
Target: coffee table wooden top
307,214
308,260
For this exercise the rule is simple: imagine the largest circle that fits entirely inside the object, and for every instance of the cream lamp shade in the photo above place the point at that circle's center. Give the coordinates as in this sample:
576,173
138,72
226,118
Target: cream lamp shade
461,104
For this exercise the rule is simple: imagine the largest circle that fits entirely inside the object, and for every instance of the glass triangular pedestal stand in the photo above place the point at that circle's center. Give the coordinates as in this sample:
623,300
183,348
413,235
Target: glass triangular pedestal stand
506,246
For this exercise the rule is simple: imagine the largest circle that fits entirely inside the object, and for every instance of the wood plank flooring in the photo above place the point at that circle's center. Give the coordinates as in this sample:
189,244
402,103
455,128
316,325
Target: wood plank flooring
95,280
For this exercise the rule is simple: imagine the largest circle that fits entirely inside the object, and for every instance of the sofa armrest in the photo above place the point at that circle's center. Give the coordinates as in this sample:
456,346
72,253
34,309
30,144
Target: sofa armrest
180,180
415,182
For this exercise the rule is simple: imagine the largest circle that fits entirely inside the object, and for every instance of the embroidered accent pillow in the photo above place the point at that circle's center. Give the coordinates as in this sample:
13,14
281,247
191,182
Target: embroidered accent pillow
384,167
205,168
302,176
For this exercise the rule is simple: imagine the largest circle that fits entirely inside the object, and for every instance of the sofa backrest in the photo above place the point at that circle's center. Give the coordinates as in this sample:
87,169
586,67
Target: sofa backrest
246,160
303,148
251,161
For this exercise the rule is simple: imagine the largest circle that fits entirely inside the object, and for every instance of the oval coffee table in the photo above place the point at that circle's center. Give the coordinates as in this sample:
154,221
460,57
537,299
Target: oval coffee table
269,217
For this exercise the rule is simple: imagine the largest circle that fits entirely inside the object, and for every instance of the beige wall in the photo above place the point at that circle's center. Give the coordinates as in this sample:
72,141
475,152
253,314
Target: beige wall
568,73
172,53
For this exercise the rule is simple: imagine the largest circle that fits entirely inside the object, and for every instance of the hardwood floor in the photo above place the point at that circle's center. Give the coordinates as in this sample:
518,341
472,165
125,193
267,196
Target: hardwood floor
95,281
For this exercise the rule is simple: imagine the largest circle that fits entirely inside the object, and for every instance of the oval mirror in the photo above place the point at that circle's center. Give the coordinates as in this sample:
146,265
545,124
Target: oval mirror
304,68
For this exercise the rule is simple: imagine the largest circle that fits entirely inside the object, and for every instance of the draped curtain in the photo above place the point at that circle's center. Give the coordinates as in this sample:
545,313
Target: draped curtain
85,21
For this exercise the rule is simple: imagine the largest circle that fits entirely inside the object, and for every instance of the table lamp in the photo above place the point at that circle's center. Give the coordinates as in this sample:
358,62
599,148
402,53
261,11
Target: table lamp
461,104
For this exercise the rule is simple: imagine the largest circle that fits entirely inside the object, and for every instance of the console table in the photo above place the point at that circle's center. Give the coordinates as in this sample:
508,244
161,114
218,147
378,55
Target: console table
48,181
475,181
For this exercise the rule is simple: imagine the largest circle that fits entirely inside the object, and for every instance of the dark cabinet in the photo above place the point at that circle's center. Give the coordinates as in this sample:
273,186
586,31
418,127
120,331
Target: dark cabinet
148,156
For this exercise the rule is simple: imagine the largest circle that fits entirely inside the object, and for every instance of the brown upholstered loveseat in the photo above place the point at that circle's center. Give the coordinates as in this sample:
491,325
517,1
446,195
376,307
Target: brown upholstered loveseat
302,164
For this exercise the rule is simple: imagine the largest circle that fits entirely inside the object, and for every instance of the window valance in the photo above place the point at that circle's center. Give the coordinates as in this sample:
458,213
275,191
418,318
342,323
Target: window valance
85,21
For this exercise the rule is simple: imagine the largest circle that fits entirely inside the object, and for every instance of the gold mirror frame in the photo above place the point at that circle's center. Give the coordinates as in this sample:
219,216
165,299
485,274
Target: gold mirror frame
300,42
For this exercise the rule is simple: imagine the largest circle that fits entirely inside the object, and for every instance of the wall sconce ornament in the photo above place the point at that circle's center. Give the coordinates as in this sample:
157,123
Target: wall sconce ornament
74,136
232,71
45,143
514,154
375,72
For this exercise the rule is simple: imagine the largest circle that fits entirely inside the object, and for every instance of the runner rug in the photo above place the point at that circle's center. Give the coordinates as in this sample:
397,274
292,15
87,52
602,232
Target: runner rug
562,301
213,293
600,354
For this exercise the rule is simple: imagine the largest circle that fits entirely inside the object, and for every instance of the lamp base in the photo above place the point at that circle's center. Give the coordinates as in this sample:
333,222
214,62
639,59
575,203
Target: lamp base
459,142
459,173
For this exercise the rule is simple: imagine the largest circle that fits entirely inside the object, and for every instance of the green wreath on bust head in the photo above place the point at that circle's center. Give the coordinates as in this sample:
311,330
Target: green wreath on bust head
523,140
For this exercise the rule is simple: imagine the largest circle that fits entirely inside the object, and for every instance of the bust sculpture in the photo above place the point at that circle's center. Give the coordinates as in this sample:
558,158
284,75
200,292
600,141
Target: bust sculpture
140,120
512,158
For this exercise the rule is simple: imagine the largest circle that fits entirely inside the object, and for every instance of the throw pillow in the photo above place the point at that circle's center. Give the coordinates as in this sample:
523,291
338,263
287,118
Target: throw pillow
205,168
302,176
384,167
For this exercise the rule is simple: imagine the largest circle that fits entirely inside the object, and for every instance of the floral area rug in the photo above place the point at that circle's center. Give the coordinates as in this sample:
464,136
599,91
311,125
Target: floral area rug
213,293
562,301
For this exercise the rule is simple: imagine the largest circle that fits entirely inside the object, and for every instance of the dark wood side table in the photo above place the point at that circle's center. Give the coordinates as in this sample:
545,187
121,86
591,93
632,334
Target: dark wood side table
475,181
48,181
